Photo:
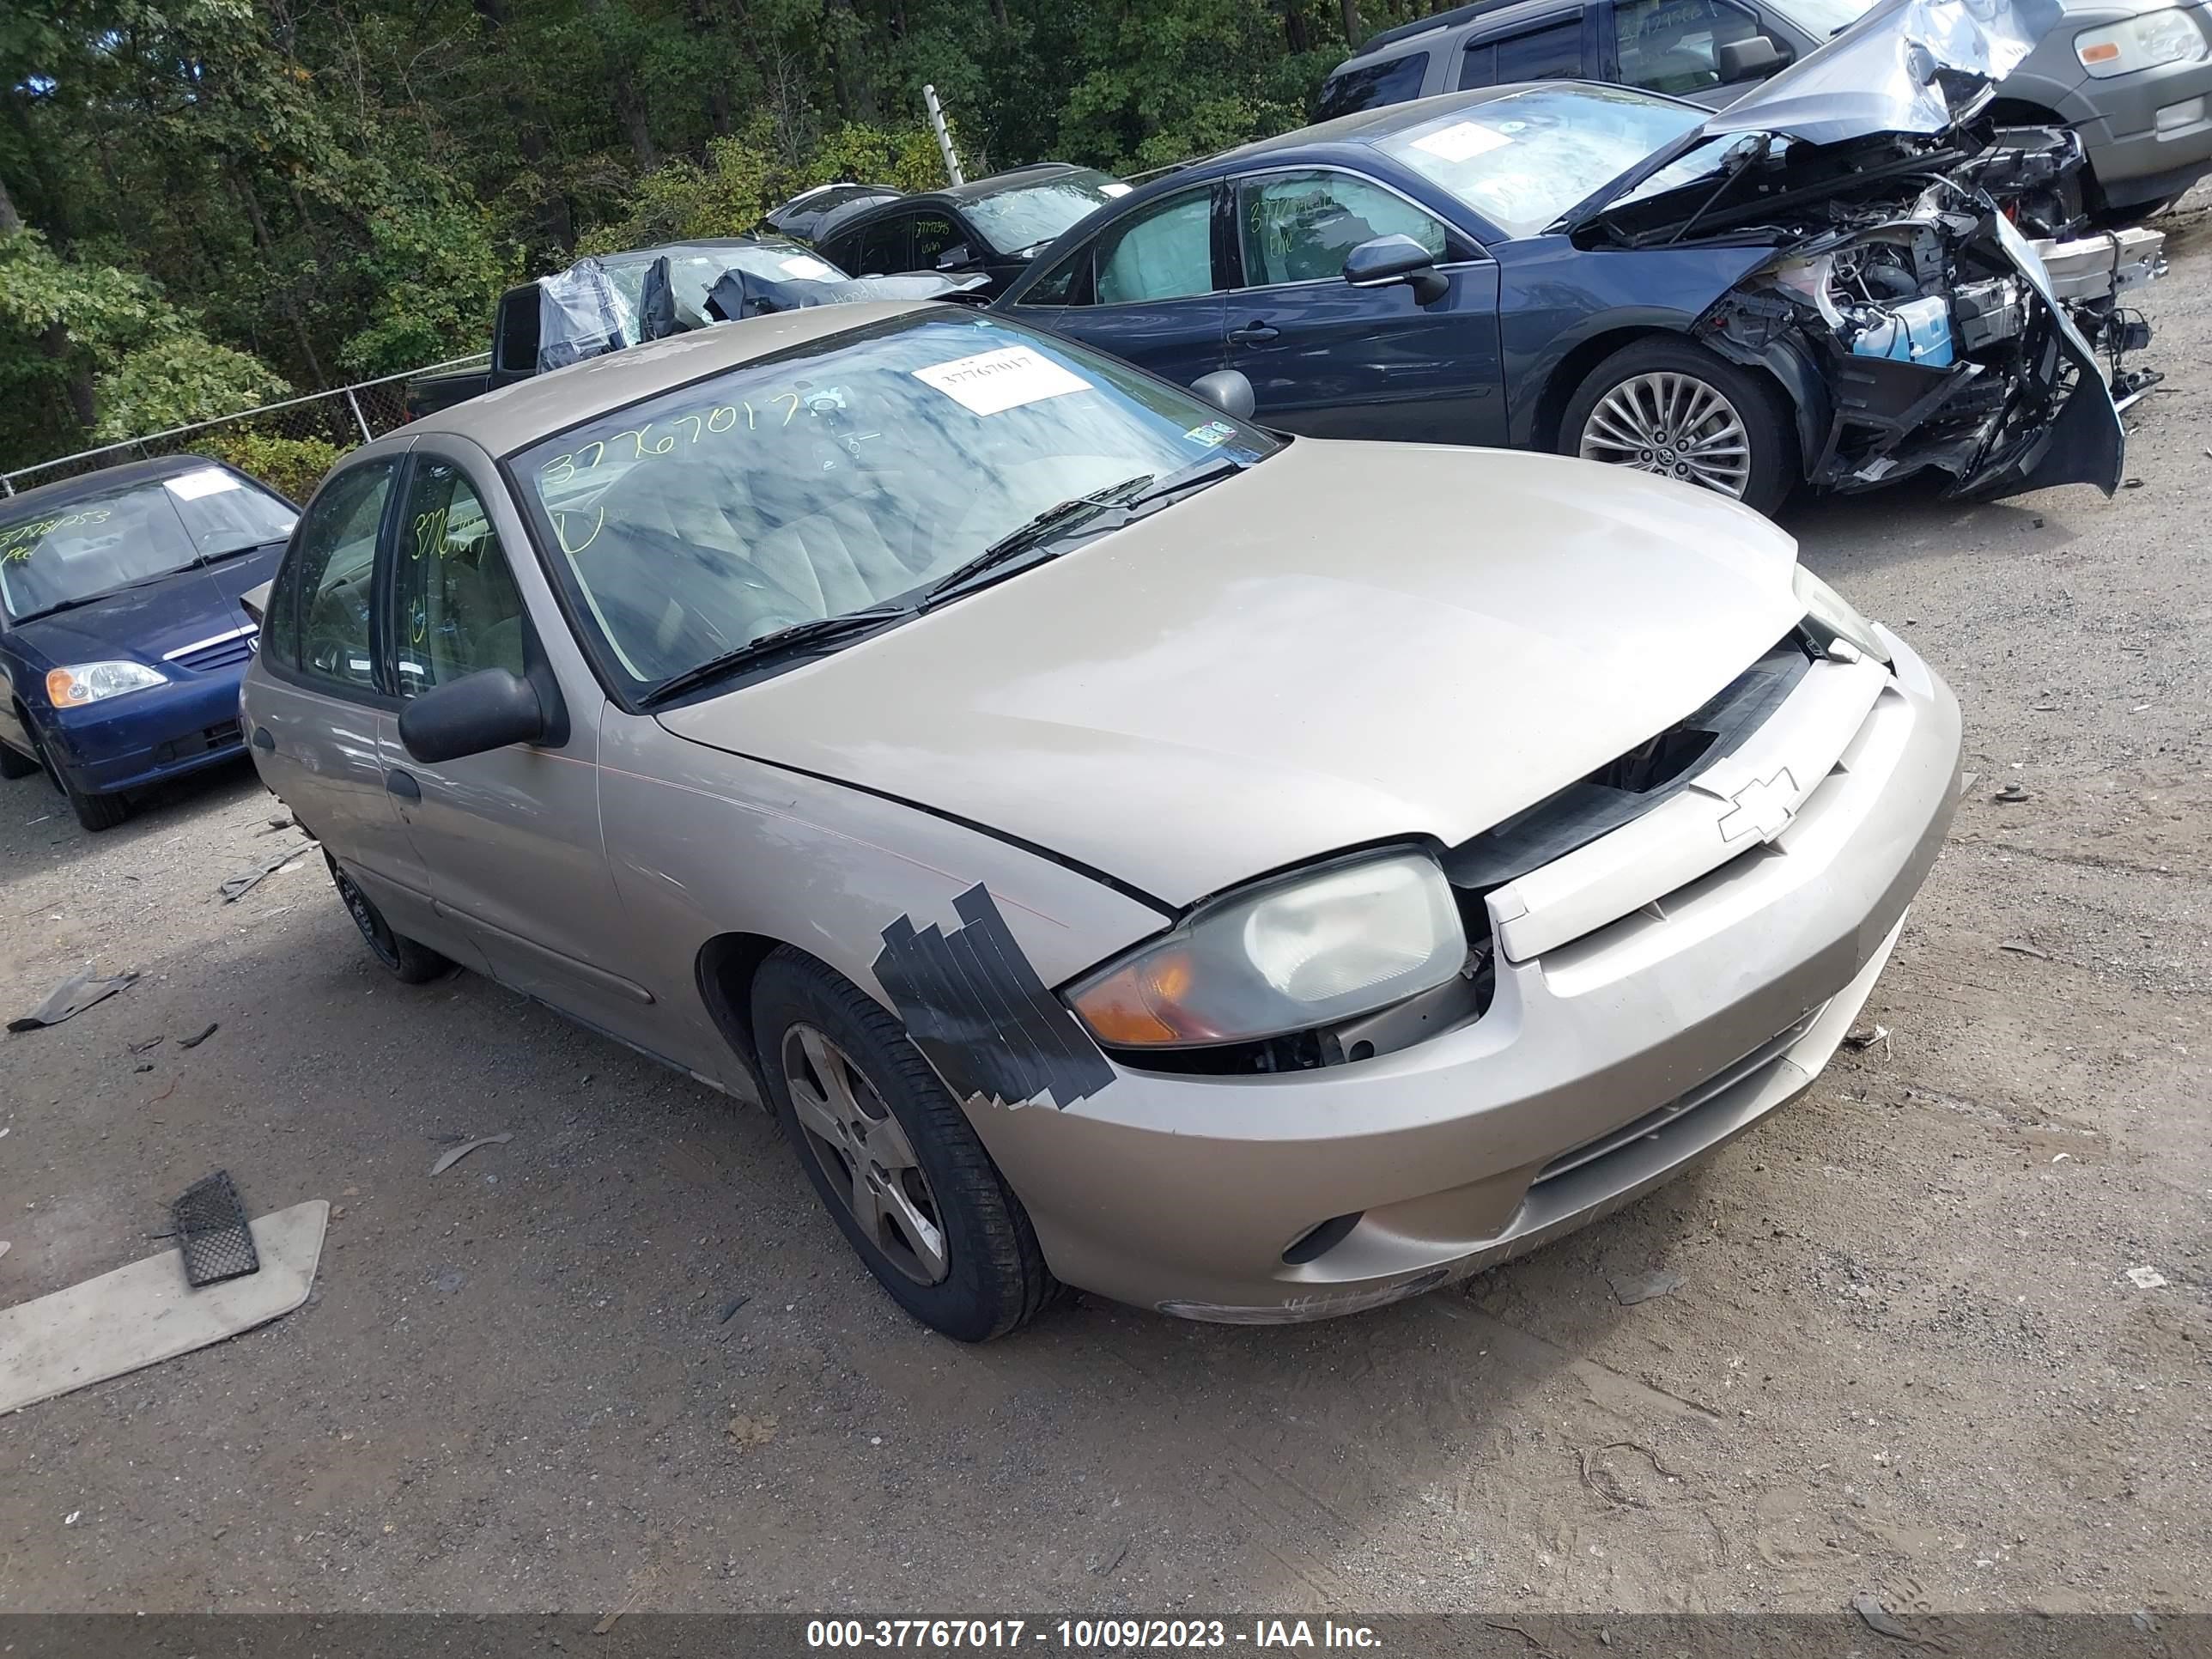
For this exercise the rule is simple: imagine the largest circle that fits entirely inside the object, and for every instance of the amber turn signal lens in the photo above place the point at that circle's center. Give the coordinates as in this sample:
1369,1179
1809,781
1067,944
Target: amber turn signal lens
1138,1004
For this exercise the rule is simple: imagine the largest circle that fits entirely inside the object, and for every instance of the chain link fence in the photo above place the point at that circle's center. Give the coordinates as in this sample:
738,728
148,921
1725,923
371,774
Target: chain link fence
289,445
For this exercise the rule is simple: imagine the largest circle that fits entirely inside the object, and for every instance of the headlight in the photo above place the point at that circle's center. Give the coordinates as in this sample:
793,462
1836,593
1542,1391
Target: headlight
1830,615
1319,947
2141,43
89,681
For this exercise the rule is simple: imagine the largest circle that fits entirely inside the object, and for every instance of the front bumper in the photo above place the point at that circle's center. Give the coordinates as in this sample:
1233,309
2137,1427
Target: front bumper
2152,134
143,738
1604,1063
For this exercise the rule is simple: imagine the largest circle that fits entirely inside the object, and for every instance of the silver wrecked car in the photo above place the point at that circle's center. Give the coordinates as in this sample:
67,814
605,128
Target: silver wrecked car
1252,878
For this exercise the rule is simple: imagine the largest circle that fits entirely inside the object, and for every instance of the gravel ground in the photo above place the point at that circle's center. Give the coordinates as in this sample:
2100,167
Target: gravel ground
1905,1358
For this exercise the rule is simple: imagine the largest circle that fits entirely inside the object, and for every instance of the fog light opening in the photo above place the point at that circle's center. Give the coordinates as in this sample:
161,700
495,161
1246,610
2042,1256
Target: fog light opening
1317,1242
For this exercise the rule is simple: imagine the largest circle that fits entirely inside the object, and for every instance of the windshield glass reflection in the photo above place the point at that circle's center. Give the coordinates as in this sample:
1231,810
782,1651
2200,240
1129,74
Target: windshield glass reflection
849,474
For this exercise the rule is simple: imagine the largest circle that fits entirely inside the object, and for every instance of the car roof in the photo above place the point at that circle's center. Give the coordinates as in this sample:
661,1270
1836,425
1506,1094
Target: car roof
1405,33
63,491
1369,126
511,417
974,191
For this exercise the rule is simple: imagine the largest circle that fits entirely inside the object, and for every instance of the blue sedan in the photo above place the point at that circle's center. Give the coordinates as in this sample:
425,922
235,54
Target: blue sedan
1788,293
121,634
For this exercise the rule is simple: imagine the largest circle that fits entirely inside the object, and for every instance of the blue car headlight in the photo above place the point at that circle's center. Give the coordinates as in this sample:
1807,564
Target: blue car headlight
92,681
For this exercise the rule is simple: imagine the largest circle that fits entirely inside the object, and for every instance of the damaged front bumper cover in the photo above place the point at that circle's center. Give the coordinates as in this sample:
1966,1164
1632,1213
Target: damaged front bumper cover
2041,409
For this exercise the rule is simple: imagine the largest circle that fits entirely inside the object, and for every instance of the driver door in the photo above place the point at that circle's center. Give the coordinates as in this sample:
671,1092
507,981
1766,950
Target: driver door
511,837
1339,361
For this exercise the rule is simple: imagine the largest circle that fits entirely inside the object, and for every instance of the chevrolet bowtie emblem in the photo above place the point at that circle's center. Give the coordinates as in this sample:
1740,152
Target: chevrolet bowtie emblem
1763,810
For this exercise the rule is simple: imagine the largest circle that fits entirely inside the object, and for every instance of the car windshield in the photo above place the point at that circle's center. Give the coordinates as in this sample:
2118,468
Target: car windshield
847,475
55,555
1822,18
1021,215
1522,160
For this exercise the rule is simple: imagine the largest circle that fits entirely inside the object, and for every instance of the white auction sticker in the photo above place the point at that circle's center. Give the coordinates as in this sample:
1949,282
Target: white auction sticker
991,381
1115,187
806,265
206,481
1463,141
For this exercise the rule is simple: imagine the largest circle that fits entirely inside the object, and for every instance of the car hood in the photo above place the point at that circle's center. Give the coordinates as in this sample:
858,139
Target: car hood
1348,643
1907,66
144,624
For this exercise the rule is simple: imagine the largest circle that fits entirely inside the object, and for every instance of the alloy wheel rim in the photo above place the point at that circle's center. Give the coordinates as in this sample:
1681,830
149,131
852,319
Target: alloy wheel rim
863,1152
1674,425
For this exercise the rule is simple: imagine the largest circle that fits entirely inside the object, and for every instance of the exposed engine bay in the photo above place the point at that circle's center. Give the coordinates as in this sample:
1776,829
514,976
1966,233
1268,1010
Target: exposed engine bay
1935,302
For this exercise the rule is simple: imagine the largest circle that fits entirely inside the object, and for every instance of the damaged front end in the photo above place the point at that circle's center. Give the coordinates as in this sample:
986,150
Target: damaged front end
1935,300
1942,338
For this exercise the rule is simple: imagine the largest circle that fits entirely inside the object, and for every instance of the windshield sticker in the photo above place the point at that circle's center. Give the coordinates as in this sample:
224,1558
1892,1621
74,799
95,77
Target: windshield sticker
1463,141
805,264
208,481
1212,433
1115,188
991,382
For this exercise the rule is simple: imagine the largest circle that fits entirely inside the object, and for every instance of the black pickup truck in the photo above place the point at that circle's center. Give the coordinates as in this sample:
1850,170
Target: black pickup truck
618,299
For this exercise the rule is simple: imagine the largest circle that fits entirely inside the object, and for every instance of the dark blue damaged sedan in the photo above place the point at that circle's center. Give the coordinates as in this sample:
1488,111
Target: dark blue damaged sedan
1841,280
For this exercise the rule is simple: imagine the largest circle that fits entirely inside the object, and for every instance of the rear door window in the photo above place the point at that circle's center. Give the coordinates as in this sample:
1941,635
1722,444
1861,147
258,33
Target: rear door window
1166,254
1553,53
884,248
1372,86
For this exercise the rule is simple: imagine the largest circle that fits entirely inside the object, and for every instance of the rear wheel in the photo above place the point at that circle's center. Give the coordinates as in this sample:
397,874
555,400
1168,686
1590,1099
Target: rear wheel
402,958
1675,410
893,1156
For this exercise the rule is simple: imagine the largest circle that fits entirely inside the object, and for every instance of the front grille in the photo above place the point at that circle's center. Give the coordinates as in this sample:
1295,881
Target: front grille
212,655
1684,1104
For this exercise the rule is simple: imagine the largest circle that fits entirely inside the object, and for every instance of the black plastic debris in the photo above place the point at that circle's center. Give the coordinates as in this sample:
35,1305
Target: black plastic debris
72,996
212,1232
198,1038
237,887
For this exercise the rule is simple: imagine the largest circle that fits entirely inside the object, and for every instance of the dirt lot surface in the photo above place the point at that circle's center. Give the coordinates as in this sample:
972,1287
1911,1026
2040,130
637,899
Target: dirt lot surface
1904,1358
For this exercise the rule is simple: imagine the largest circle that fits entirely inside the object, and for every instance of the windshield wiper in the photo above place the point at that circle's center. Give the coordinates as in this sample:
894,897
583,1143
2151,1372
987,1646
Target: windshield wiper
781,642
1211,470
217,555
104,593
1061,516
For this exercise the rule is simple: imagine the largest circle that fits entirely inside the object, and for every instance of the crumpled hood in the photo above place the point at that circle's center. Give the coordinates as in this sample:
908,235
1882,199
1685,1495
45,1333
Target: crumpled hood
1347,643
1906,66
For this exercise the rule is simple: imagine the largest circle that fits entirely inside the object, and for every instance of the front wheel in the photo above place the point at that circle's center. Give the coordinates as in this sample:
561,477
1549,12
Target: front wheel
893,1157
94,812
1674,409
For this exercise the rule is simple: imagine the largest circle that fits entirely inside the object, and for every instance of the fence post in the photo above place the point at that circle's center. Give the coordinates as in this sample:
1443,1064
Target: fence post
944,138
359,419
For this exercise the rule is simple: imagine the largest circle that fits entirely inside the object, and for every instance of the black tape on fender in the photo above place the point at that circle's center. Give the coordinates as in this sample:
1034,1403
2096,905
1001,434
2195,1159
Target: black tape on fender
979,1010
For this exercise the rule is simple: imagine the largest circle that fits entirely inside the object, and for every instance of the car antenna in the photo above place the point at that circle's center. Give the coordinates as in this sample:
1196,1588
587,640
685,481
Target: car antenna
1739,159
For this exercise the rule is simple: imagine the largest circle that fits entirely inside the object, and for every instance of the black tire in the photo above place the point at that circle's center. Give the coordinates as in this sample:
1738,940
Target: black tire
1770,428
406,961
94,812
995,1280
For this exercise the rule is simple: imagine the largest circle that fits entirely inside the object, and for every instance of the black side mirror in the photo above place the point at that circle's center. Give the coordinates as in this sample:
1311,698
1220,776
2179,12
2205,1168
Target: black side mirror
479,712
955,257
1753,54
1389,260
1227,391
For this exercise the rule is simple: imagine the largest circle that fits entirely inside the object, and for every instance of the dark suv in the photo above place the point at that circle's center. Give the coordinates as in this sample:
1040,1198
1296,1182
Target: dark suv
2132,77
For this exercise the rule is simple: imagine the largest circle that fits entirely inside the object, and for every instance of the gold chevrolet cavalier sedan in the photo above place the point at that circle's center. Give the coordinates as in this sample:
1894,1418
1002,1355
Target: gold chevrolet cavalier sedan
1253,878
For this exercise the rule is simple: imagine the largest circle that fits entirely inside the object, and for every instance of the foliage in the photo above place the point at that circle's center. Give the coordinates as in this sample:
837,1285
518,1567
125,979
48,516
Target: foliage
178,380
291,466
343,189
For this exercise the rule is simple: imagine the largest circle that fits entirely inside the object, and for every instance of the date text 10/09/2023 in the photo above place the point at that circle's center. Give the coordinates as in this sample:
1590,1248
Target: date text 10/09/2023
1086,1635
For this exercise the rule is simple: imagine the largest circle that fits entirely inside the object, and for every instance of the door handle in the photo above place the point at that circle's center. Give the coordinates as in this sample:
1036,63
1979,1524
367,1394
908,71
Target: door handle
263,740
403,784
1258,331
